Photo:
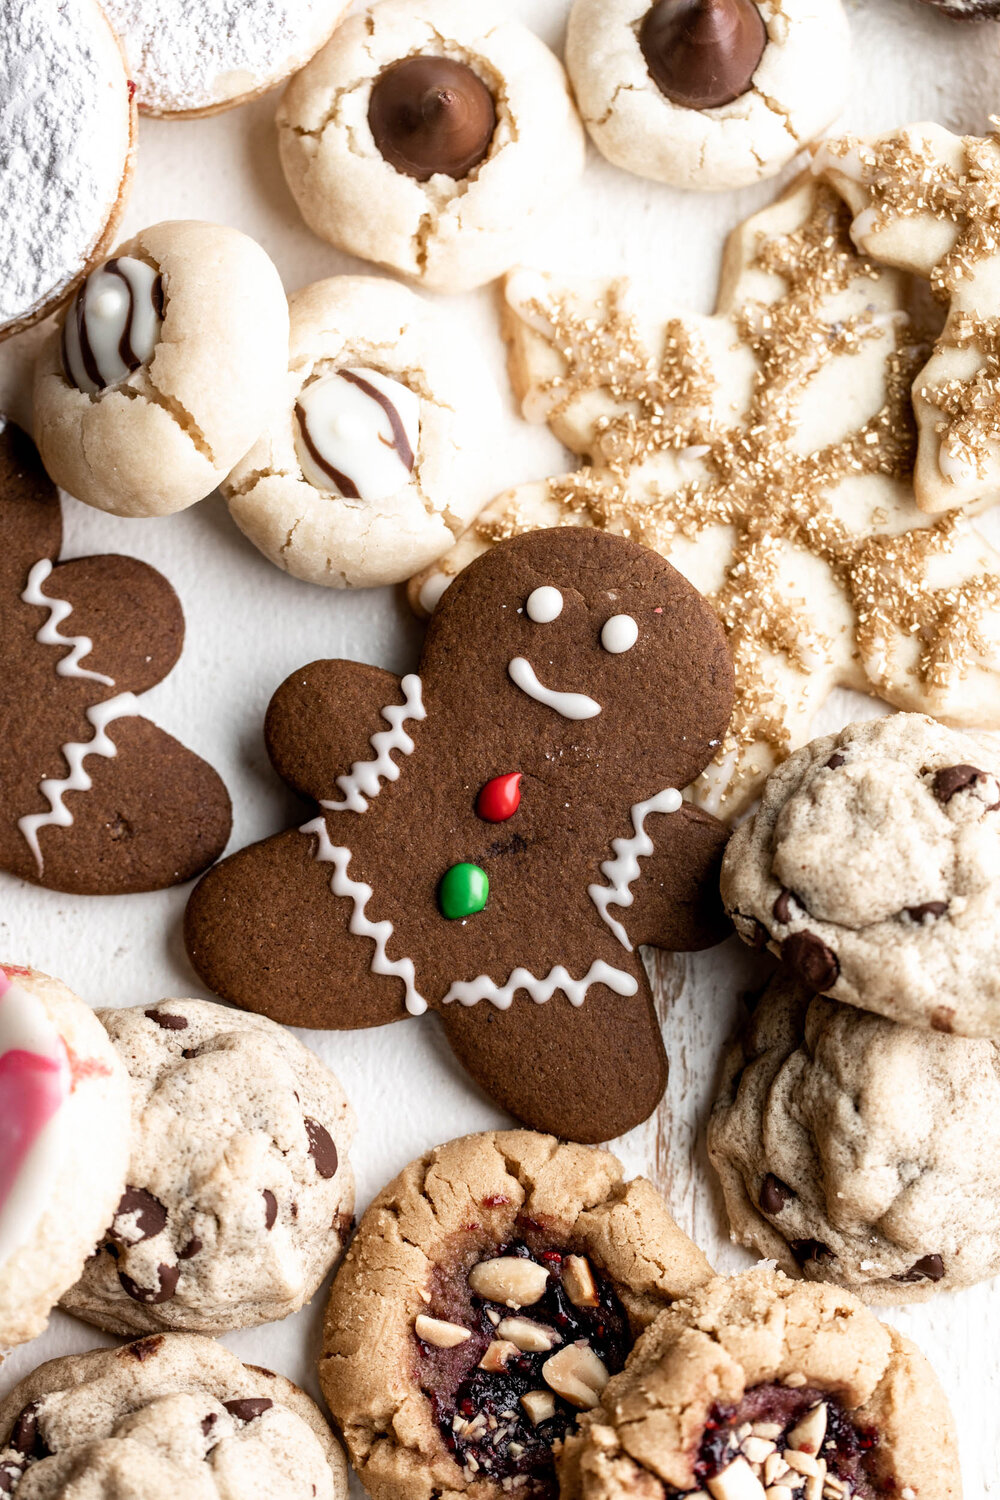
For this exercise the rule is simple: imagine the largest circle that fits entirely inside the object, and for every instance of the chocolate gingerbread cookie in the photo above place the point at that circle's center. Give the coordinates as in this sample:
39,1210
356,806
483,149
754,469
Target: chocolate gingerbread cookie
570,682
94,799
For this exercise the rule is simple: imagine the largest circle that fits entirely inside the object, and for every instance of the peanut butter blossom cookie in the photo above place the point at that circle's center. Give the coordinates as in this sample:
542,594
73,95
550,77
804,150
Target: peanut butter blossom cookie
67,126
195,57
170,1415
855,1150
757,1386
511,833
64,1102
707,93
873,866
427,136
169,362
367,468
239,1191
492,1290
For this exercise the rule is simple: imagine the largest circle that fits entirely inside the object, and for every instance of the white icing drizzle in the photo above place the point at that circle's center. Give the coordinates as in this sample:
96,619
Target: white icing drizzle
471,991
34,1081
113,324
570,705
619,634
544,604
49,635
100,715
380,932
621,871
356,434
365,777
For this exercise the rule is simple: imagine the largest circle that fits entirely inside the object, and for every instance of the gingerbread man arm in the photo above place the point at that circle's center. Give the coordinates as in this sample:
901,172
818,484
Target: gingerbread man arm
676,902
322,719
128,611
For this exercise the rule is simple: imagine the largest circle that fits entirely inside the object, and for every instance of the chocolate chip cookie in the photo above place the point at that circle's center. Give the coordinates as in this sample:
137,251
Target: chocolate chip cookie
492,1290
759,1385
239,1192
858,1151
873,866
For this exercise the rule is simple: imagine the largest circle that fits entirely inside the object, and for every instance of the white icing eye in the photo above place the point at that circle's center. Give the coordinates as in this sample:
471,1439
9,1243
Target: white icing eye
620,634
544,605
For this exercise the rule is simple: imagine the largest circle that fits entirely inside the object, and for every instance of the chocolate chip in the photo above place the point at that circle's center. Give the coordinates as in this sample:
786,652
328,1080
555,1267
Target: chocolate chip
782,908
11,1475
249,1409
167,1020
190,1052
806,1251
270,1208
207,1423
321,1148
149,1214
943,1019
150,1296
262,1370
931,909
753,933
26,1437
927,1268
142,1349
190,1249
952,779
774,1195
814,963
836,760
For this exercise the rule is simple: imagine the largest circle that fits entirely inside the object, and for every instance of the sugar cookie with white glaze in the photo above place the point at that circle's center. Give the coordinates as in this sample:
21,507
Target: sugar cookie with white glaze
707,94
427,136
166,369
64,1140
366,471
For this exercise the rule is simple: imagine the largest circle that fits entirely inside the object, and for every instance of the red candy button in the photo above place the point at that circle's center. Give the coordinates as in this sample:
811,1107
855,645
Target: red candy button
500,798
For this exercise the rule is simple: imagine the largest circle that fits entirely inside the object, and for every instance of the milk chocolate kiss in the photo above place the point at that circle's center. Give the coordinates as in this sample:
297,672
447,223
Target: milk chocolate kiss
702,53
430,114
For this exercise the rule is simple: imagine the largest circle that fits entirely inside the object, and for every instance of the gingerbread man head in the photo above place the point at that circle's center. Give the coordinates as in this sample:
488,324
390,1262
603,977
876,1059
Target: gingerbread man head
512,834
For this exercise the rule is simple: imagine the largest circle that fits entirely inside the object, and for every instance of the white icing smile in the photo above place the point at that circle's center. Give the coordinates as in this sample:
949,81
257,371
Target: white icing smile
570,705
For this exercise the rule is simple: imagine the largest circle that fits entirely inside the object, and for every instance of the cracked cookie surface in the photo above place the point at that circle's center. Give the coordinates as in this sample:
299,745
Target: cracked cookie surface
872,867
855,1150
163,435
492,1289
796,88
169,1415
756,1380
448,232
239,1193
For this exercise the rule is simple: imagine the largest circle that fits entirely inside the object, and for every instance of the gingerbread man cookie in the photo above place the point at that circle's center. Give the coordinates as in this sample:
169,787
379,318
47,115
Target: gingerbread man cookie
767,452
94,799
927,201
483,859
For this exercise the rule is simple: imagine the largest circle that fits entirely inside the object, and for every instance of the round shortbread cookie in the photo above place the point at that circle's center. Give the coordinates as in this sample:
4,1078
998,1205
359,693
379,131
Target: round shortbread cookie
435,168
169,1415
709,93
67,125
367,471
239,1194
64,1138
202,314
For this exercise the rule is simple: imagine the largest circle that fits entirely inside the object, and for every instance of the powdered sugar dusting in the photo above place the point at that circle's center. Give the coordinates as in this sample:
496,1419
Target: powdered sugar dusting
64,140
191,54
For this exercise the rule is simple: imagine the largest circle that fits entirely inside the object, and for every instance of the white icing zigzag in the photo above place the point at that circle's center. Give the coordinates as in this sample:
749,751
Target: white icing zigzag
471,991
380,932
49,635
100,715
624,868
365,777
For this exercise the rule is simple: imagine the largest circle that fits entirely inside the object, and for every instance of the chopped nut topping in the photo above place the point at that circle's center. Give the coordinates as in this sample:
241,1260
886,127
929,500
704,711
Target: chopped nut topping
756,1449
794,1381
767,1429
578,1279
803,1463
539,1405
440,1334
497,1355
736,1482
531,1337
577,1374
509,1279
808,1435
774,1467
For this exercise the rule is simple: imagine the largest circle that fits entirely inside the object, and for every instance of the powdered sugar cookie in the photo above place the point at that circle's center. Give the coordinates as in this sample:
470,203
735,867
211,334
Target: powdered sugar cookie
426,136
64,1139
707,93
967,10
169,362
366,470
195,57
67,125
239,1193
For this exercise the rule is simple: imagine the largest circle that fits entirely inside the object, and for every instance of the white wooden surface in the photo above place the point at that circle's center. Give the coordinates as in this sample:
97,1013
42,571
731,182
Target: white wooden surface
248,626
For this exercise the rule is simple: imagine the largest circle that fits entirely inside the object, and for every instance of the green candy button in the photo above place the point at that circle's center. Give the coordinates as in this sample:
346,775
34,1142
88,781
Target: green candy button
463,891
